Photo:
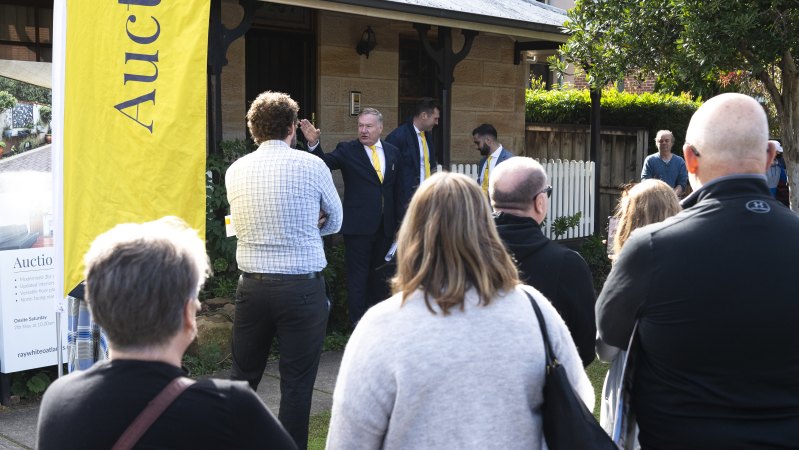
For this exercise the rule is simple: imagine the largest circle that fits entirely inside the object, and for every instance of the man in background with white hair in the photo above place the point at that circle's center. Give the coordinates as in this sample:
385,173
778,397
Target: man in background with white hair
666,166
713,293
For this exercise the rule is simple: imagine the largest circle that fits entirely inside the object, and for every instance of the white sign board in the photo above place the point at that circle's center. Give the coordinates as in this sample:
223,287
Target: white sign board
28,265
28,328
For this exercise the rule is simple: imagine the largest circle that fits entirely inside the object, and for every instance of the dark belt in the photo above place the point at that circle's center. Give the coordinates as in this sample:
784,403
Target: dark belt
281,276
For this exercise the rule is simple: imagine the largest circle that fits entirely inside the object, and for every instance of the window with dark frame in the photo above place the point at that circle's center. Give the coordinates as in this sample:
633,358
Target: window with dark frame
542,73
417,77
26,31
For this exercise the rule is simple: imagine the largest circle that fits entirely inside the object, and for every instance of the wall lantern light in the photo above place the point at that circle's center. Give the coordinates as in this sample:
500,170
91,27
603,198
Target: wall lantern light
367,43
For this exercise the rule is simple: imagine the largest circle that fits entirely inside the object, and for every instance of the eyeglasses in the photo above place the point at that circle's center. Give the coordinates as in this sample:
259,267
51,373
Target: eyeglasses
693,149
547,189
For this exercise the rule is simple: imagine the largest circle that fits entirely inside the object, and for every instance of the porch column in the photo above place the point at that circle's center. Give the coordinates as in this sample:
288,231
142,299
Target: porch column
219,39
446,60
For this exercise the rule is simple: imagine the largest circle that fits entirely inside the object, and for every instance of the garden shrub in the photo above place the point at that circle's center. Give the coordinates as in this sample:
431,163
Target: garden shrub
652,111
7,101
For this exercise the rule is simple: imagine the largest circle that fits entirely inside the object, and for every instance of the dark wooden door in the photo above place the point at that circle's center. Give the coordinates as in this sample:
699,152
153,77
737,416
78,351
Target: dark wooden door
282,61
418,79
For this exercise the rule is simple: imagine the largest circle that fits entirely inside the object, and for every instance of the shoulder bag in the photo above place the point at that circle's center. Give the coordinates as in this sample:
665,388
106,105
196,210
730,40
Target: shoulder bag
568,424
151,412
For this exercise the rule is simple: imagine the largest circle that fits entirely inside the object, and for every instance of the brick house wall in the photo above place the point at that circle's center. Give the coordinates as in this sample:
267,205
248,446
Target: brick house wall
488,87
631,84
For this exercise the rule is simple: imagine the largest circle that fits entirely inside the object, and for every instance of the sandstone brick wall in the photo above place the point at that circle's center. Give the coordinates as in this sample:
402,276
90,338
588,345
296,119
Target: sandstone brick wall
488,86
342,70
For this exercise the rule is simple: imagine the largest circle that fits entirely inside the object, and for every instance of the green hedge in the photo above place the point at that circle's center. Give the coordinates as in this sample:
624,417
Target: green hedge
621,109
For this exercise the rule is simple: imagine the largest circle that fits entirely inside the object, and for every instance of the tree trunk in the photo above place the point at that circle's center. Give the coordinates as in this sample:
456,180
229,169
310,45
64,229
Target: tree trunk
789,130
793,175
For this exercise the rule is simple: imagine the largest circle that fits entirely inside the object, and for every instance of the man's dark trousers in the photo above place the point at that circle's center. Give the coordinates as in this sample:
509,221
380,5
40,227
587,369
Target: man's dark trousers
296,311
364,256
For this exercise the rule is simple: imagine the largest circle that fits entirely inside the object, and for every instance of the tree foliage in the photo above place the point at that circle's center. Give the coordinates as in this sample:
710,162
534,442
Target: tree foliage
26,92
6,101
695,43
45,114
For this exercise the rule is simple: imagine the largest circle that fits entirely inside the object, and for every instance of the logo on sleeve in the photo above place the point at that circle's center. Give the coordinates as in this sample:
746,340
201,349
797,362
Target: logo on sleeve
758,206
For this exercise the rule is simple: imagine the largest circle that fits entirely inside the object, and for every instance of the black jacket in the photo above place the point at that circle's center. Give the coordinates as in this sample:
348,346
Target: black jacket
562,275
714,292
367,202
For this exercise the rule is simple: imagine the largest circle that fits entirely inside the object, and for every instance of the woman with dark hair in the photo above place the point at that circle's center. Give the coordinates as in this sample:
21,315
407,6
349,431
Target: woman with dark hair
455,358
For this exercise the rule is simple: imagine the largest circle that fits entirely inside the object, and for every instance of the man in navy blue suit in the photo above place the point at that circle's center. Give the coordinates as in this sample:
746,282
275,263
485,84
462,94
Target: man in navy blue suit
372,205
492,152
417,150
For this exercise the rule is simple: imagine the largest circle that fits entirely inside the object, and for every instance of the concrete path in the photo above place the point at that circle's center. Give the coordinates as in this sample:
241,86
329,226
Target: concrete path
18,424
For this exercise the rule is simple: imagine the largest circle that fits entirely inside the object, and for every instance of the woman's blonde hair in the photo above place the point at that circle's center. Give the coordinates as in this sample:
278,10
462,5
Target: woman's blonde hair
647,202
448,244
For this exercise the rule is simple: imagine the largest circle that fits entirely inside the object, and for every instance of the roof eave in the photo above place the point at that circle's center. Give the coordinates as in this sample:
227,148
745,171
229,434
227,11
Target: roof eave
437,16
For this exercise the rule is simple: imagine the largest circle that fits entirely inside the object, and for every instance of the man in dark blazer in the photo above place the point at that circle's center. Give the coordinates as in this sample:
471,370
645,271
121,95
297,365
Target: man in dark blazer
417,148
372,205
493,153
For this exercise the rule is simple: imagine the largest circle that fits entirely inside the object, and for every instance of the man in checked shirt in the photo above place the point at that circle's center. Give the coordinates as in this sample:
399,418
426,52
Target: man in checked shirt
282,202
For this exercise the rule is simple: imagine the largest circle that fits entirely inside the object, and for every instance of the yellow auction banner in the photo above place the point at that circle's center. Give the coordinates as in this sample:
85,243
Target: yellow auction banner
134,117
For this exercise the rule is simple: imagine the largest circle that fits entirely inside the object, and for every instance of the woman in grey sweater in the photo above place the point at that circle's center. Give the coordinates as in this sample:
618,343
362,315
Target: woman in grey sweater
455,359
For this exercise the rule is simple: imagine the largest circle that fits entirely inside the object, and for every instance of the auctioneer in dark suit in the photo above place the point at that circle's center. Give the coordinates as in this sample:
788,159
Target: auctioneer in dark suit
371,214
406,139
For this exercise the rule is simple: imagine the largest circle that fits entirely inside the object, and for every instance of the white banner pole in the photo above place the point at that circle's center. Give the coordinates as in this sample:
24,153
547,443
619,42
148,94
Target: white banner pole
59,58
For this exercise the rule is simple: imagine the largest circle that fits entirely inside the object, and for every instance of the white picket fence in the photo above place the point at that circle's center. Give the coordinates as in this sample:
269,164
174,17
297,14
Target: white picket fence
572,192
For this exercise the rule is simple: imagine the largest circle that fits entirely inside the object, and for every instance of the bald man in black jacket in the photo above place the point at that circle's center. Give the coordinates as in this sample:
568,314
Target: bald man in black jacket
519,195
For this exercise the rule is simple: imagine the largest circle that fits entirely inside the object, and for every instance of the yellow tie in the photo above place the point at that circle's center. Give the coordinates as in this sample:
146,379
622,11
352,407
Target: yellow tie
485,175
426,156
376,162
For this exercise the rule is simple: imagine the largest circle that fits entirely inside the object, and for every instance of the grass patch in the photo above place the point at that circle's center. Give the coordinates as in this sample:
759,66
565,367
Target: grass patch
317,431
596,372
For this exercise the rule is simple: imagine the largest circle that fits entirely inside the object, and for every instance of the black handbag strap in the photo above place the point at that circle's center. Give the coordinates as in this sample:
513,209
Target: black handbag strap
552,360
151,412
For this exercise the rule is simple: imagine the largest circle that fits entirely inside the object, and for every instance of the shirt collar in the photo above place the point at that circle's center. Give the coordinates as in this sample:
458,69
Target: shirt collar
496,153
274,143
378,146
695,195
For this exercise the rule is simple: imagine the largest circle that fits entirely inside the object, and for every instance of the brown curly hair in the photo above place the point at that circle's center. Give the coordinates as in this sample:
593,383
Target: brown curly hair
271,116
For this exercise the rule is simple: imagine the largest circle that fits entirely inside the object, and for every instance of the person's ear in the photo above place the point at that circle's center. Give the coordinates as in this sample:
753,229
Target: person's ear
190,309
540,204
771,151
691,158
